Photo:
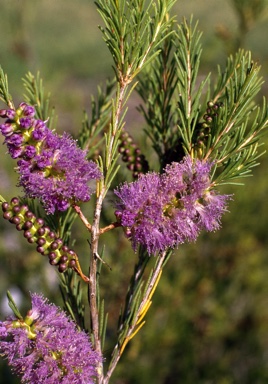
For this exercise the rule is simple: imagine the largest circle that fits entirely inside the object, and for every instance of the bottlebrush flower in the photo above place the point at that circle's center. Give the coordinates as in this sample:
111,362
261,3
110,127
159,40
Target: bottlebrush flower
45,347
163,211
59,174
139,210
51,167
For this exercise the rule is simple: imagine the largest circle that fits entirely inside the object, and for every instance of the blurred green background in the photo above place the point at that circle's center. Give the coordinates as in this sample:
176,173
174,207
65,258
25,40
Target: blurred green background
209,319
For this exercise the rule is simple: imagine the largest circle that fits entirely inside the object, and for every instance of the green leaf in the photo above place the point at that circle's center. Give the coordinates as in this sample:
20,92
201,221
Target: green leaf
35,95
4,92
13,306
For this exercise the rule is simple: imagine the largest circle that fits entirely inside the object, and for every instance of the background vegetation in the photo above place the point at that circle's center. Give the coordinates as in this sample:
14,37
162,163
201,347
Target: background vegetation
209,321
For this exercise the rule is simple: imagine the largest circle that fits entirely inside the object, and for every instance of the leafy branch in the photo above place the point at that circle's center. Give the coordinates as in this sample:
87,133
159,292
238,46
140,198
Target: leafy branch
239,123
35,95
223,123
188,56
101,106
132,32
173,113
157,87
71,293
4,92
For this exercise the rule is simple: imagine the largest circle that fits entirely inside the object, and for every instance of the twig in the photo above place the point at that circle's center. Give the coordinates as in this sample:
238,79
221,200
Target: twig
82,217
109,227
95,233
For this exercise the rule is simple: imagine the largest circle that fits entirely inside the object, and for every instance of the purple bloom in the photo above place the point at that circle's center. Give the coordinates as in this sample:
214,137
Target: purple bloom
15,139
26,122
9,113
163,211
45,347
40,130
59,175
26,110
202,204
52,168
30,151
7,128
139,210
15,152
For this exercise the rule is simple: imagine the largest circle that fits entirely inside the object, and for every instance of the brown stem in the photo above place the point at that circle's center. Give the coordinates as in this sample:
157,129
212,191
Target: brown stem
109,227
82,217
92,291
96,232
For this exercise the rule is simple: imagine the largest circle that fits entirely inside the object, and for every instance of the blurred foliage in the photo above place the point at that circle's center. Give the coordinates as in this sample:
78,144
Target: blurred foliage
209,321
249,13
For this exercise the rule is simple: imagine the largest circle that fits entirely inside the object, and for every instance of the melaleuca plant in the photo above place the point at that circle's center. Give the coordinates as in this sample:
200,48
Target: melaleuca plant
204,132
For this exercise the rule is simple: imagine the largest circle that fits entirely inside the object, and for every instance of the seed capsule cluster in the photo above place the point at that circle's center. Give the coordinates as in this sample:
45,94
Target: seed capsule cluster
131,155
212,112
35,231
209,117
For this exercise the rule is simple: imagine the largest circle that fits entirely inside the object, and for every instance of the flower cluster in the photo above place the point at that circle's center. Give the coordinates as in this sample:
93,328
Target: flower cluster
45,347
160,211
35,231
51,167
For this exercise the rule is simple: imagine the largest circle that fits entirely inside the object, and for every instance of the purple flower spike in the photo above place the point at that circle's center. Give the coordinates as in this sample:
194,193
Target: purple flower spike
52,168
204,205
139,210
45,347
163,211
59,175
